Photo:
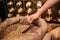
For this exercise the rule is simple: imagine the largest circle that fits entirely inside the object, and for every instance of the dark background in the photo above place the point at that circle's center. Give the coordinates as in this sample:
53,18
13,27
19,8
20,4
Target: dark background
4,16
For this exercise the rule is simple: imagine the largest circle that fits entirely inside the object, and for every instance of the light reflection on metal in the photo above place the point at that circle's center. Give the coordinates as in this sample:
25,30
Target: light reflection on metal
19,3
10,3
11,9
28,4
17,15
59,12
48,18
39,4
29,10
10,15
20,10
49,11
58,19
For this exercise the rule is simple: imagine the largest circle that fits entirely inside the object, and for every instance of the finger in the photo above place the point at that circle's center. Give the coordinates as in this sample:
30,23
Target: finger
28,18
32,20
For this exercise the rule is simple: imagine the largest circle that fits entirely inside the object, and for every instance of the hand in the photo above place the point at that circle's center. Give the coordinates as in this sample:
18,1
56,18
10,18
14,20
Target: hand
33,17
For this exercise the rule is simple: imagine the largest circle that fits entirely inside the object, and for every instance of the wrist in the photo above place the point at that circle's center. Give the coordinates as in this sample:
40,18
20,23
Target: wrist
38,14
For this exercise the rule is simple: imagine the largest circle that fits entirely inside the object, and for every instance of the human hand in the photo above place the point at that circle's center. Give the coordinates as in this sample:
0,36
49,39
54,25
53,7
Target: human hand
33,17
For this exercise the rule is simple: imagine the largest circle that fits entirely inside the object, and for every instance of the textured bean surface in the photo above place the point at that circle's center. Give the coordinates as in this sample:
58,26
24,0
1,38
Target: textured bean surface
16,31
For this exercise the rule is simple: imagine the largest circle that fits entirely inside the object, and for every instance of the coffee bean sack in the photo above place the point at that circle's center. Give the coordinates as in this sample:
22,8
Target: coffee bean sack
23,30
14,32
17,31
56,33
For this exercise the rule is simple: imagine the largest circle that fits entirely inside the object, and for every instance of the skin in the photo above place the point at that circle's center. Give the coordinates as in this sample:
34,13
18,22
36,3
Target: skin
48,4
